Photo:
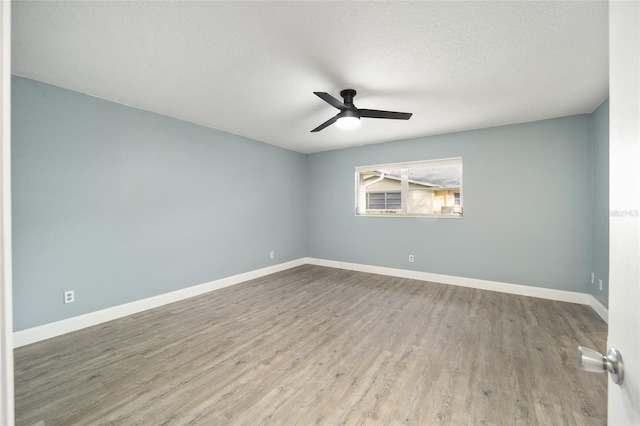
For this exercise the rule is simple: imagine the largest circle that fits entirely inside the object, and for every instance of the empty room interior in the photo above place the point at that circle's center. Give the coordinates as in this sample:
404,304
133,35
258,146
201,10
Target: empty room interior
245,213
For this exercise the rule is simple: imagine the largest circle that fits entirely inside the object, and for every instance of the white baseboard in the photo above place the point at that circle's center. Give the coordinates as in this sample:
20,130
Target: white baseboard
522,290
46,331
600,309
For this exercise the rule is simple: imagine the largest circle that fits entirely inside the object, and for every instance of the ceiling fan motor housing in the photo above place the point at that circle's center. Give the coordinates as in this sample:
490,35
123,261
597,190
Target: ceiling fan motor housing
348,95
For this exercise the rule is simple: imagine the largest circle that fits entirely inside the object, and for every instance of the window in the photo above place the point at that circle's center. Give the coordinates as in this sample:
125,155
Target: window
420,188
384,201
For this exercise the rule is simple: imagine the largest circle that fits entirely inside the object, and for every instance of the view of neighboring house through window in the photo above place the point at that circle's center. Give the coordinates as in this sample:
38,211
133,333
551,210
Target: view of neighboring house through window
420,188
384,201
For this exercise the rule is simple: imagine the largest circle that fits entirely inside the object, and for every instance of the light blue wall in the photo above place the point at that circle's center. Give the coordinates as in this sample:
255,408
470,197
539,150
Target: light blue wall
120,204
527,207
600,225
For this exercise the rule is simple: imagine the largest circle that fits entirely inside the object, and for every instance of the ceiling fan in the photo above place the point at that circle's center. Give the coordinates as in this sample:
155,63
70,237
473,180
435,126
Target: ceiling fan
349,116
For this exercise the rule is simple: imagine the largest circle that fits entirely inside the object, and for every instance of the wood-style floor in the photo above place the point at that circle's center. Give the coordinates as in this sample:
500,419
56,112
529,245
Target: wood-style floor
315,345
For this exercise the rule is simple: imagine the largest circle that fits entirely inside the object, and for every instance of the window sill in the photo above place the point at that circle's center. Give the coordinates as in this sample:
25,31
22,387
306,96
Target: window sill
423,216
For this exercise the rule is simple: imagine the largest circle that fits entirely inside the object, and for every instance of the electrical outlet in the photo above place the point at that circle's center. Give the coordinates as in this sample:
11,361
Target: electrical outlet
272,254
410,258
69,296
593,277
600,285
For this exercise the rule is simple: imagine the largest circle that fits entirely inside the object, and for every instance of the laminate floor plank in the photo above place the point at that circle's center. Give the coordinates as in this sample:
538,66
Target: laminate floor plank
315,345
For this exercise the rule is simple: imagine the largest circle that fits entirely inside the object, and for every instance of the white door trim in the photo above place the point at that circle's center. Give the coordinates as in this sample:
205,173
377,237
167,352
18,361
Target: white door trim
6,309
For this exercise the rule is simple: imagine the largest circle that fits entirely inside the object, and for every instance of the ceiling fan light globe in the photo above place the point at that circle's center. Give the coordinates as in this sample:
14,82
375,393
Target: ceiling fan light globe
348,123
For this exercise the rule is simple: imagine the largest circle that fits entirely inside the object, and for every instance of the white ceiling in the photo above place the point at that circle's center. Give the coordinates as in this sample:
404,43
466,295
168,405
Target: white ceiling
250,68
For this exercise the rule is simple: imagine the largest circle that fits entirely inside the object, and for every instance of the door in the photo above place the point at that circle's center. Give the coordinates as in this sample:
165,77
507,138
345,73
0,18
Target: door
624,204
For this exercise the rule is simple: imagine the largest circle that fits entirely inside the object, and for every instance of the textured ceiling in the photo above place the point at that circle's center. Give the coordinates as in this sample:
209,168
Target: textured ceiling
250,68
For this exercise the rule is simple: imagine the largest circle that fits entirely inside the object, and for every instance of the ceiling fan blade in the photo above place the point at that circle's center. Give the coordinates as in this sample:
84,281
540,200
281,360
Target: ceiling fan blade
330,100
327,123
374,113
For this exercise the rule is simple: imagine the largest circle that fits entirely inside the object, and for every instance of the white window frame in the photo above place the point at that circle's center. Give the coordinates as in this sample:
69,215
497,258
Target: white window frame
360,196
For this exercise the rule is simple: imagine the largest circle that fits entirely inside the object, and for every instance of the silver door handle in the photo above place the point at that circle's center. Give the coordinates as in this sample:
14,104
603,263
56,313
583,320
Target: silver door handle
595,362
